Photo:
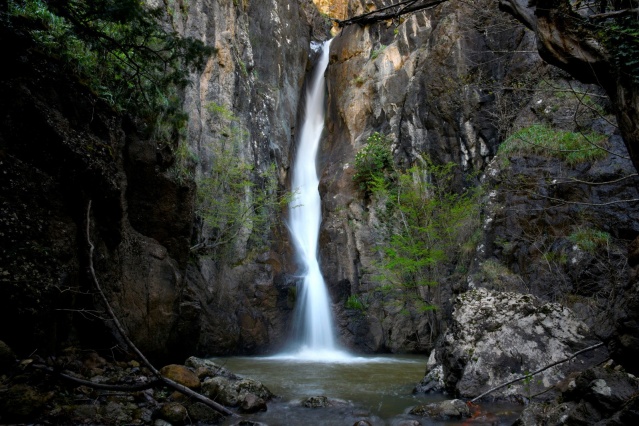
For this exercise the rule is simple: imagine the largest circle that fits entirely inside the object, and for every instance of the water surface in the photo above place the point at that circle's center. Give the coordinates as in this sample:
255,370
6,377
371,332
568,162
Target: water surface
377,389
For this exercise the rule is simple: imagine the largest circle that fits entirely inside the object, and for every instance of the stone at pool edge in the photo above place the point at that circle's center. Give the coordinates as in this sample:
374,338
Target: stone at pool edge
181,375
449,409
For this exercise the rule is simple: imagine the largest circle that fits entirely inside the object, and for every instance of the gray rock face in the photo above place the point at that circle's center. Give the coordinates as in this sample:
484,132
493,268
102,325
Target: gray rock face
495,337
240,303
419,83
66,148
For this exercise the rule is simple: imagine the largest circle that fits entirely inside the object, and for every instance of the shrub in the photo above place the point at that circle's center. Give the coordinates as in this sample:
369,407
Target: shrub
374,164
353,302
571,147
429,226
589,239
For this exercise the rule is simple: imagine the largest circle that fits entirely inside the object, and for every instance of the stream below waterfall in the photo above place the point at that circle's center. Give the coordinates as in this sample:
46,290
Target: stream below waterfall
376,389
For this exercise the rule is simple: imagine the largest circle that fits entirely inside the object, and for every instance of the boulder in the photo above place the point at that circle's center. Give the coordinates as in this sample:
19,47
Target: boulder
181,375
316,402
232,393
173,412
206,368
199,412
450,409
252,404
498,336
433,381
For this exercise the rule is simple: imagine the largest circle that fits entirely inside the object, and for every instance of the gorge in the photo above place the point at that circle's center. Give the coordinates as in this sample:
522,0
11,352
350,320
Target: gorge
478,205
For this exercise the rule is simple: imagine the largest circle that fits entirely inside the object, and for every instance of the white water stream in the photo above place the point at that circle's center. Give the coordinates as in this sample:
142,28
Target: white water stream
315,339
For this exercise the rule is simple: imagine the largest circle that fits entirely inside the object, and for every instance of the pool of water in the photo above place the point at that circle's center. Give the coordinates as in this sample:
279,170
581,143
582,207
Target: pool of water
377,389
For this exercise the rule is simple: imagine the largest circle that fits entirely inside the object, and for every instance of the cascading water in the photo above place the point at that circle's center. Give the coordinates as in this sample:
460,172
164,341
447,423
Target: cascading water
315,334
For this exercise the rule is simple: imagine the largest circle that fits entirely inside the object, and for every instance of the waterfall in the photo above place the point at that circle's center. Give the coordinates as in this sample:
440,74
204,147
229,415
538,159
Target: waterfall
315,335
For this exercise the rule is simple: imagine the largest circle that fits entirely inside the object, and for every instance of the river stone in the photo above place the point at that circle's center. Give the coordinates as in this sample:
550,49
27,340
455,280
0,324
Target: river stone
316,402
231,392
181,375
199,412
222,390
207,368
117,413
173,412
252,404
450,409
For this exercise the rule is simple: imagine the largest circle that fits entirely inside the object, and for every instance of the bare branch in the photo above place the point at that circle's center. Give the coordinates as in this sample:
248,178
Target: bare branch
100,386
390,12
526,376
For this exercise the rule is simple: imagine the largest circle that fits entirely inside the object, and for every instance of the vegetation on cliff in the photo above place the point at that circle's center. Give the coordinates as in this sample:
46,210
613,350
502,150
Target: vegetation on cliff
120,49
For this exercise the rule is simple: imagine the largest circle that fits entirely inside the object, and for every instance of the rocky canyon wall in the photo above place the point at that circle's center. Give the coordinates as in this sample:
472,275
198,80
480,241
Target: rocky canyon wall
451,84
248,94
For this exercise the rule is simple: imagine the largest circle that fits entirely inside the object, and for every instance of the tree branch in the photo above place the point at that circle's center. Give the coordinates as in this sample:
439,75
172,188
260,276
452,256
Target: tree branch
168,382
388,12
100,386
526,376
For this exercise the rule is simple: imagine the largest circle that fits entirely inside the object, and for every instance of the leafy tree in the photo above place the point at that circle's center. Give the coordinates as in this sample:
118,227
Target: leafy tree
120,49
374,164
429,224
235,202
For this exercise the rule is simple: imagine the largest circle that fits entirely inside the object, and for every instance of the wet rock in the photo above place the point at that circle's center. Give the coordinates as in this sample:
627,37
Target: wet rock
160,422
433,381
316,402
174,413
252,404
199,412
234,392
206,368
362,423
222,390
181,375
451,409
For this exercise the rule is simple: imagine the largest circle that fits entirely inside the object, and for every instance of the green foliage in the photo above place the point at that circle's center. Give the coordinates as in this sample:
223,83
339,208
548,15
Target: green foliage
428,225
353,302
571,147
375,53
374,164
589,239
221,111
235,202
621,38
120,50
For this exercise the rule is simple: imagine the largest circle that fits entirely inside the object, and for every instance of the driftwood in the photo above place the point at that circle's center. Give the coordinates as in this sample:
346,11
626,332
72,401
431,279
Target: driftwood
100,386
164,381
390,12
529,375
